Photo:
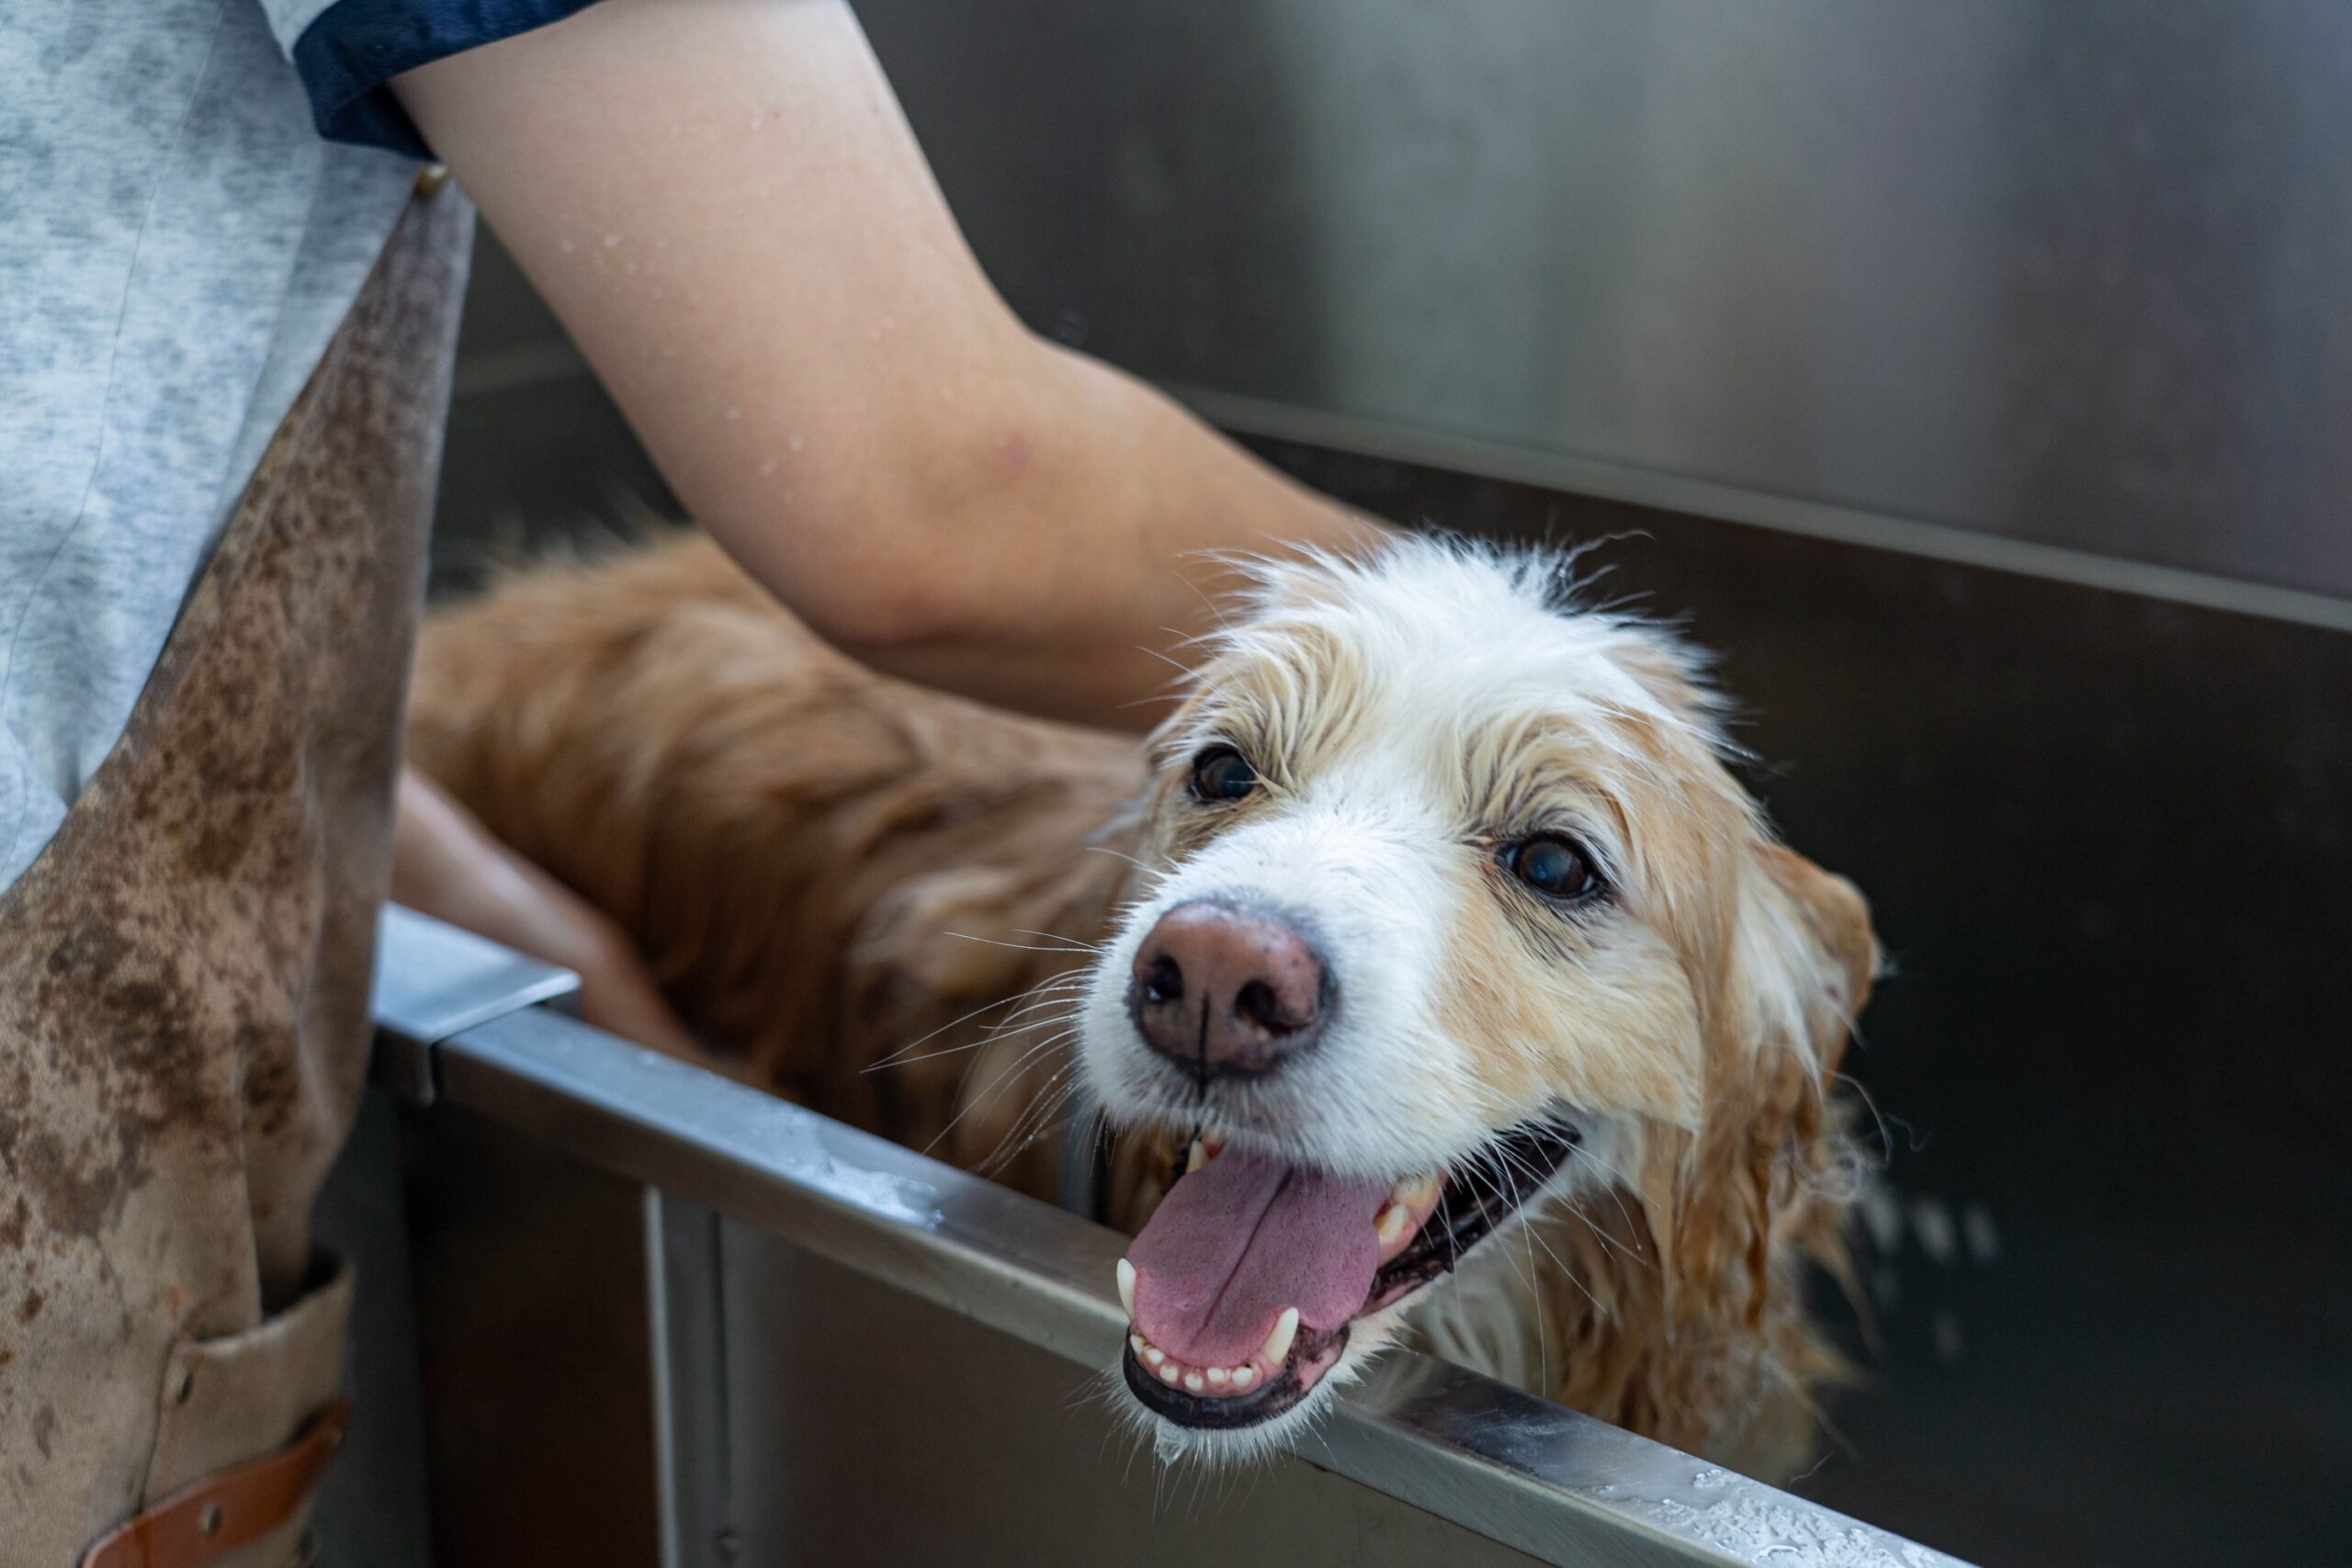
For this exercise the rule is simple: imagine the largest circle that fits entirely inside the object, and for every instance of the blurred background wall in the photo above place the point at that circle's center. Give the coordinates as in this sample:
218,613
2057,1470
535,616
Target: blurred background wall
1978,379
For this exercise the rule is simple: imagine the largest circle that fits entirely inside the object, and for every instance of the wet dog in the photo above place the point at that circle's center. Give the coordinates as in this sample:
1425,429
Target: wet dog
1439,979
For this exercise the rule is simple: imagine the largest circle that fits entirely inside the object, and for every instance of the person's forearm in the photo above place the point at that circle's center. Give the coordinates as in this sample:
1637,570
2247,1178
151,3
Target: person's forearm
724,206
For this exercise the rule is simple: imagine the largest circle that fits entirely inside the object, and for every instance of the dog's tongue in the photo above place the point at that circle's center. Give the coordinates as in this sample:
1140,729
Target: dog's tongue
1243,1237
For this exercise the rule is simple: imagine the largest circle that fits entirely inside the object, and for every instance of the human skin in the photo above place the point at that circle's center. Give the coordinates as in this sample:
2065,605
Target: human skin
447,864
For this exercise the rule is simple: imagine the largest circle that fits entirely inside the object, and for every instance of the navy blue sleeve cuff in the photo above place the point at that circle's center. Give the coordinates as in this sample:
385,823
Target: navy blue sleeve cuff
353,48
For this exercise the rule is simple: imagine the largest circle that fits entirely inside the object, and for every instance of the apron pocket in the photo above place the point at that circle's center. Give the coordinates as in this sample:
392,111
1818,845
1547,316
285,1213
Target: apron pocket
233,1399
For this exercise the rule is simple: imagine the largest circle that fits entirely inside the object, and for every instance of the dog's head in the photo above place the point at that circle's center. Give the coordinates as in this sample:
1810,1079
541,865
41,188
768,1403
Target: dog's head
1452,905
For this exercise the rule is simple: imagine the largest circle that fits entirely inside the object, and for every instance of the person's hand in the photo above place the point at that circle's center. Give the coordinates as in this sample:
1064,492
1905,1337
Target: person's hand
447,864
725,207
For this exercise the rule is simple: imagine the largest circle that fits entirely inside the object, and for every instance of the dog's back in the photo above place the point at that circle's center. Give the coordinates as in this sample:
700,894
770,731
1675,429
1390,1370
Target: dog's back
821,865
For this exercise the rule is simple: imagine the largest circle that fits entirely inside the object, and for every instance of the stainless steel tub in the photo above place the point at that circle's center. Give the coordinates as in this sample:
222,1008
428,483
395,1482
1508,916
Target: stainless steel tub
849,1353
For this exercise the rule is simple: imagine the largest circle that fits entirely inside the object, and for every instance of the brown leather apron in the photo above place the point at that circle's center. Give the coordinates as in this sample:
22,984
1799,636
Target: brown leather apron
184,990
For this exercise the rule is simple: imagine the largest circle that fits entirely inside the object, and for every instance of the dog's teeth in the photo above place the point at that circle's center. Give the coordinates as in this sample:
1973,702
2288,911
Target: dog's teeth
1153,1354
1195,1158
1243,1377
1415,1190
1138,1344
1194,1382
1277,1344
1395,1220
1169,1374
1219,1377
1127,1288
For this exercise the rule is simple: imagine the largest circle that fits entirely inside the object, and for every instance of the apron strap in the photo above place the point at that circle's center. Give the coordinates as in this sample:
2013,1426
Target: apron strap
202,1522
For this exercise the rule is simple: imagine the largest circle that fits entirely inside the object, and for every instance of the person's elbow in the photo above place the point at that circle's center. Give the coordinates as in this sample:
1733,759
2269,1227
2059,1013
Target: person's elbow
943,541
887,594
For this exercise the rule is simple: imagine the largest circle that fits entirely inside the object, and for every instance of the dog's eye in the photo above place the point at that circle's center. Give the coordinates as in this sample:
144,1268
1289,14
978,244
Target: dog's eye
1220,772
1553,866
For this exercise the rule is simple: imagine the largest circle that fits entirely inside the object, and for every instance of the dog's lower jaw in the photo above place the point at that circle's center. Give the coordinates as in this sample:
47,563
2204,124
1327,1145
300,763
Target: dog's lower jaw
1174,1443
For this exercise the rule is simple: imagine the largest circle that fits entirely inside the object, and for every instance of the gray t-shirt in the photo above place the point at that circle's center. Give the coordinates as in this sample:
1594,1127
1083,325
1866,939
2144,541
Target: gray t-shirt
191,194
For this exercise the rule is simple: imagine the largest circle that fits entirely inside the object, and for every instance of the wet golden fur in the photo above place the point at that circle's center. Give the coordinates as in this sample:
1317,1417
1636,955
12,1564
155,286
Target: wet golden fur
878,900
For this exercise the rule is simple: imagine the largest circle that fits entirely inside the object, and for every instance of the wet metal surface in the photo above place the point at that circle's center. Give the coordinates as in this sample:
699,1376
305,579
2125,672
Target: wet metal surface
534,1329
2066,270
910,1360
433,980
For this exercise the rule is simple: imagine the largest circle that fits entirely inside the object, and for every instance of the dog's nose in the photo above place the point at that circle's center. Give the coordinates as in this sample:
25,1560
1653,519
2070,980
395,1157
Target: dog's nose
1223,990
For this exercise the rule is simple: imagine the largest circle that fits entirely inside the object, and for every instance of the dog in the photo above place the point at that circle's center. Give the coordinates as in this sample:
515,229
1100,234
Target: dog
1437,979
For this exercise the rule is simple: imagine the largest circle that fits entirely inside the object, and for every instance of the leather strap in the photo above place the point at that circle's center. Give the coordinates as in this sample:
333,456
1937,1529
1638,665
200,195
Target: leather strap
225,1510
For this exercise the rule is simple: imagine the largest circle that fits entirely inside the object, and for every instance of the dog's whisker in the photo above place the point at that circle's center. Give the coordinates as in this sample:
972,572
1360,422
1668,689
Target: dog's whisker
1587,1153
1007,1030
1011,1146
1479,1173
1059,994
1576,1207
1148,870
1529,1242
1041,1117
1021,946
997,1086
1534,1289
987,1078
896,1058
1616,1192
1097,948
1044,1015
1608,1241
1174,663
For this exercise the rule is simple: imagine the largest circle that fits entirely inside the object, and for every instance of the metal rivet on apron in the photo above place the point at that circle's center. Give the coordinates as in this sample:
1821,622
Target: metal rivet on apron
207,1523
185,1386
432,179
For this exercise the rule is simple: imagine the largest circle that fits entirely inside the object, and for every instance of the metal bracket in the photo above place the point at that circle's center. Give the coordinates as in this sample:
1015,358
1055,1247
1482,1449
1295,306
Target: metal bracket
435,981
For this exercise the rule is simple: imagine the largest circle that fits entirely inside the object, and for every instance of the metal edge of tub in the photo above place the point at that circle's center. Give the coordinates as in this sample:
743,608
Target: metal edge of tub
1533,1475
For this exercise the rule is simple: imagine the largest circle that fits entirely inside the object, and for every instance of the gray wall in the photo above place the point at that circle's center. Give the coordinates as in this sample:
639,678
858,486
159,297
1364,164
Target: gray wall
2067,270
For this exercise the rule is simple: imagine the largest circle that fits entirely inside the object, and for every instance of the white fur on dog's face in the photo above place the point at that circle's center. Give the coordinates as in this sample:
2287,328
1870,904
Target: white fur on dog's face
1412,719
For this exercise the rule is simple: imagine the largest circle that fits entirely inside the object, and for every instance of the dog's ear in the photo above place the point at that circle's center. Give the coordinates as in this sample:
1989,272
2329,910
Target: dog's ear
1805,952
1801,960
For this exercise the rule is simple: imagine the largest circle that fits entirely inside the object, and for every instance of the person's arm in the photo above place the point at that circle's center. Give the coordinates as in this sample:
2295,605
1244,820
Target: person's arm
724,205
446,864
